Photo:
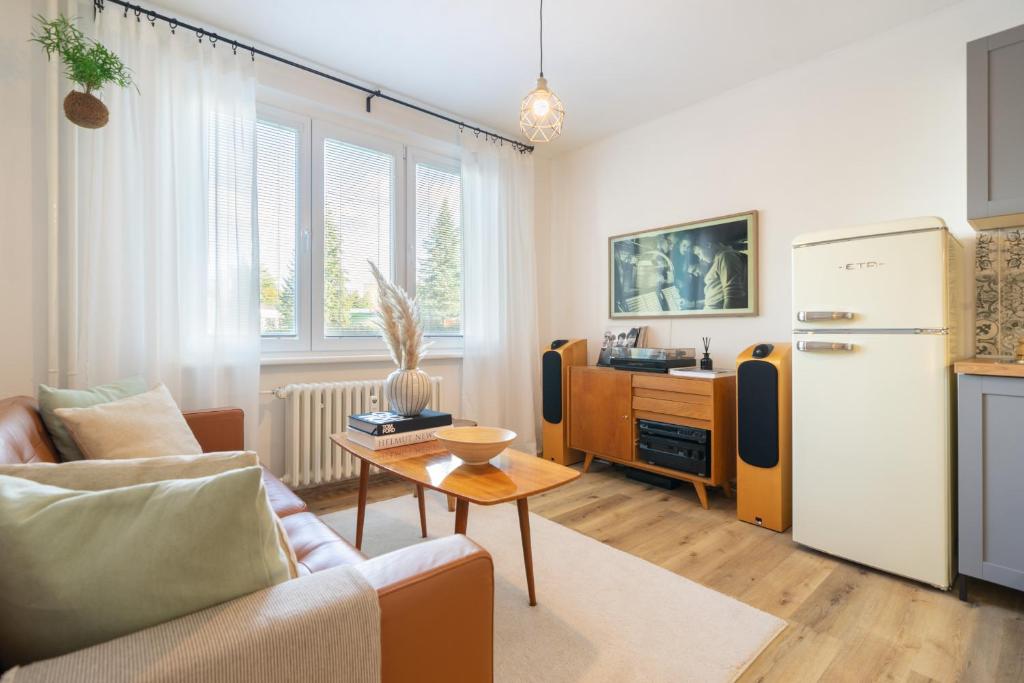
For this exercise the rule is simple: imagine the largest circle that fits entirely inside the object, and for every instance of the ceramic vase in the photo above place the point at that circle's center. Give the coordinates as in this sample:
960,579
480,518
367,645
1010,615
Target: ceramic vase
407,391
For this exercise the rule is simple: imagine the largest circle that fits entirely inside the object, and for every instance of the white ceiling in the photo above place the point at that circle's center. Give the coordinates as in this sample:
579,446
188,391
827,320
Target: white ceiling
614,64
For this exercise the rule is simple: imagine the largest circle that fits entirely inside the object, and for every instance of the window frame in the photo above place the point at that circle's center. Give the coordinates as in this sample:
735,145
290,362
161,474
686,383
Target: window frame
303,229
310,342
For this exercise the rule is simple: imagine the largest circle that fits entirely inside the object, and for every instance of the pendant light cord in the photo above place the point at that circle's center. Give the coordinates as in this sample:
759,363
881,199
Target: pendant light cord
542,38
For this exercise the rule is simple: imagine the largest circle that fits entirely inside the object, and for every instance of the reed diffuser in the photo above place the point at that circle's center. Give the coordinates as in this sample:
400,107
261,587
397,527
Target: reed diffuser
705,362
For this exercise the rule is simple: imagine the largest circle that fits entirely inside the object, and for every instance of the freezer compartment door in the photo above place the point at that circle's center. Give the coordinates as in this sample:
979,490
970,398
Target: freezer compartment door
871,451
886,282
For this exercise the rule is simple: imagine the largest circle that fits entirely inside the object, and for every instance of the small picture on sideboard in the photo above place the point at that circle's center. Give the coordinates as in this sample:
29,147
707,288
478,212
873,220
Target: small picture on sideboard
703,268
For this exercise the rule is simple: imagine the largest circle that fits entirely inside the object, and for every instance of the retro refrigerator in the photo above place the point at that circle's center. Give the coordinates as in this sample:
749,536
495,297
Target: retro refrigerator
875,331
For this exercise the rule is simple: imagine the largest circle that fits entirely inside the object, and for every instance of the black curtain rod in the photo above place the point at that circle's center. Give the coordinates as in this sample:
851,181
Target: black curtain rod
152,17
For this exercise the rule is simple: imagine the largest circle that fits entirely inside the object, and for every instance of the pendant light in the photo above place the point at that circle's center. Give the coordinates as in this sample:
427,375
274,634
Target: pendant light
541,114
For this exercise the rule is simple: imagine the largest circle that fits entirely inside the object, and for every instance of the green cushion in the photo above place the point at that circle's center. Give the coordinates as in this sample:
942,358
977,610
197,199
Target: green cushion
50,399
84,567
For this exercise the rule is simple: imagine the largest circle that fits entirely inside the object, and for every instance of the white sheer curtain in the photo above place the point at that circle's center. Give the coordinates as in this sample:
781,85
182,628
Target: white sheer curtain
167,278
500,367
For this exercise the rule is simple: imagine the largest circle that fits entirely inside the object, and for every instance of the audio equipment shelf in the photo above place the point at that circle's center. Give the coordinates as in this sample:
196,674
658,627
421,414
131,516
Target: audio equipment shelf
605,404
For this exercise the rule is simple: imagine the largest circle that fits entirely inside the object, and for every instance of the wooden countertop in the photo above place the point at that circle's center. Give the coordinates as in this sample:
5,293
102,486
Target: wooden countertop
988,366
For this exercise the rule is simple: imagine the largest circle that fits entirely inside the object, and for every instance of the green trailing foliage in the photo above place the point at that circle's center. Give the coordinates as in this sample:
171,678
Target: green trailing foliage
86,62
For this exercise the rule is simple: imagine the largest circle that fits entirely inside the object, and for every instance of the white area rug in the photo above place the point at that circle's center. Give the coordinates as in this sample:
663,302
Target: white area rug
602,614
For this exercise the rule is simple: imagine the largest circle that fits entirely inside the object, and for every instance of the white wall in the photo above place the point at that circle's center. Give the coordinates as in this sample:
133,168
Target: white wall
23,201
871,132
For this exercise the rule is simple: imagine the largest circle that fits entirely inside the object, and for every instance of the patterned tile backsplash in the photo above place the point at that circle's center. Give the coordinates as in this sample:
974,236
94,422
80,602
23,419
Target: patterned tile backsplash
999,291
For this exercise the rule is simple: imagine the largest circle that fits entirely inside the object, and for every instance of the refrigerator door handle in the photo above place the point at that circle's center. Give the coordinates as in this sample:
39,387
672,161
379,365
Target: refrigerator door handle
823,346
810,316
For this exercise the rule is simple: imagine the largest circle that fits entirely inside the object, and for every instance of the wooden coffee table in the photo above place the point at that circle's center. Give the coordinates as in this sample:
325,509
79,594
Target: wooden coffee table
512,475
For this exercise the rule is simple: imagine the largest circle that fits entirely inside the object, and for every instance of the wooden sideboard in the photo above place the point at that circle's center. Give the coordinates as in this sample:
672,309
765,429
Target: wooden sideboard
605,404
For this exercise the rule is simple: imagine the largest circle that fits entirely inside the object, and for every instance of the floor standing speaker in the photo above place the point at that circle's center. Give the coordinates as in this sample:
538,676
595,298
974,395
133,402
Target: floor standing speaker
555,363
764,475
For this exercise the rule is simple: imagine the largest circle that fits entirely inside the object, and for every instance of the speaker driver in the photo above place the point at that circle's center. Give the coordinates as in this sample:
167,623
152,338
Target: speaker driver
551,386
757,413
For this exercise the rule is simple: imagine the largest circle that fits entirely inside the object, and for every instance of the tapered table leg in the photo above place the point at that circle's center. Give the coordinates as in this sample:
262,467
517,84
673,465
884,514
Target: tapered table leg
423,509
524,531
461,515
451,503
364,481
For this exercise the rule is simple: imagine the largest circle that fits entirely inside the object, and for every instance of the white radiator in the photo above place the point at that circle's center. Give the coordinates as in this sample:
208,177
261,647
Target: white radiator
315,411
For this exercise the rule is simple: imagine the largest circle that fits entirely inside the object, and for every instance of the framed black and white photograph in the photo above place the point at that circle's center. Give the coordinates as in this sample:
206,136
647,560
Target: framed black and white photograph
704,268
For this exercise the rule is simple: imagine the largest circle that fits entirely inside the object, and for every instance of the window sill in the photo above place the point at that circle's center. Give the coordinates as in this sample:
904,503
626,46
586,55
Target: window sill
343,359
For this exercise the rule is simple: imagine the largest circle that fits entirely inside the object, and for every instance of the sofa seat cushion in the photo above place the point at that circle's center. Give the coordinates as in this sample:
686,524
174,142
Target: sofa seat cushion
283,500
316,546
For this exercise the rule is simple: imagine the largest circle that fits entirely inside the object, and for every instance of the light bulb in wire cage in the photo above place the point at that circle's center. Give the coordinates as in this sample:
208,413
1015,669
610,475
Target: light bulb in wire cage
542,113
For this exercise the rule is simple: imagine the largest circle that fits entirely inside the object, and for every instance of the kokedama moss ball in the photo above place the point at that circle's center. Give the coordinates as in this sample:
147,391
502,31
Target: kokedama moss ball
85,110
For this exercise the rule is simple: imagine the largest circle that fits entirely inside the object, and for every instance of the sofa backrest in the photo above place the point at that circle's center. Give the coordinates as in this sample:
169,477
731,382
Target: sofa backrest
23,438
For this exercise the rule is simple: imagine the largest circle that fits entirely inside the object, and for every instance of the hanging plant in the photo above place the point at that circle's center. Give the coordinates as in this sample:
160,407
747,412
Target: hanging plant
87,63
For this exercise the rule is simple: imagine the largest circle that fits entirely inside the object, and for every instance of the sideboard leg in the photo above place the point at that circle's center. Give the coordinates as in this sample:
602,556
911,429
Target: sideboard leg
963,587
586,462
702,493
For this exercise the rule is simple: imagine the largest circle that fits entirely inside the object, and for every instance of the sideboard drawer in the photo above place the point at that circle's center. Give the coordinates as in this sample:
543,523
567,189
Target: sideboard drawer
678,408
668,383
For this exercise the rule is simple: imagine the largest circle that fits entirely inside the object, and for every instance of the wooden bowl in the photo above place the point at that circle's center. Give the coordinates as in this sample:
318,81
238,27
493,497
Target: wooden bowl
475,445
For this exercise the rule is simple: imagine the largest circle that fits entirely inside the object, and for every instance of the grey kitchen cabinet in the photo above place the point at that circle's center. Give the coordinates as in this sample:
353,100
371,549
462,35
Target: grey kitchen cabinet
990,483
995,130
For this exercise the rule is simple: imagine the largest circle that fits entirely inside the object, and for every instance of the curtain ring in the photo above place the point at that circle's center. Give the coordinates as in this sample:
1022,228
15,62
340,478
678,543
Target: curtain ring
125,12
213,40
234,49
152,19
199,34
138,15
252,54
173,25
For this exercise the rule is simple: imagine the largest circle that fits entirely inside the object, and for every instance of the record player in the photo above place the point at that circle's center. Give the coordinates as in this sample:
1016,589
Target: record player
652,360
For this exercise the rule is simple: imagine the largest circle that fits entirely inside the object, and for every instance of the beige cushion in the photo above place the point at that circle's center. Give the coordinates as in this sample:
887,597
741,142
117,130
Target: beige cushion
99,475
51,398
140,426
83,567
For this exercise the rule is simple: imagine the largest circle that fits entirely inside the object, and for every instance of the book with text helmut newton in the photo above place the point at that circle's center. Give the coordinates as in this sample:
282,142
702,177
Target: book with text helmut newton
383,423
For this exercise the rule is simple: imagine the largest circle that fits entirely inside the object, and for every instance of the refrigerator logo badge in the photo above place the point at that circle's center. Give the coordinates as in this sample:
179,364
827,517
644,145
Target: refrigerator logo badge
863,265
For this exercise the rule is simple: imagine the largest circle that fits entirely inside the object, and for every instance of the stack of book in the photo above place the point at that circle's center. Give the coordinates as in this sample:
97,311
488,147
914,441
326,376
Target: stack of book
381,430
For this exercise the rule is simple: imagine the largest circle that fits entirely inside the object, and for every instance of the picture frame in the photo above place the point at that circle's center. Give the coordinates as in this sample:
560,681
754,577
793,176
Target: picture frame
696,269
622,336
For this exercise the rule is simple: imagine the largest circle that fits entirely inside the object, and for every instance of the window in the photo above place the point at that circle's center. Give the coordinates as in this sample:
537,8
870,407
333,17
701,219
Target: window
277,209
358,215
438,204
364,199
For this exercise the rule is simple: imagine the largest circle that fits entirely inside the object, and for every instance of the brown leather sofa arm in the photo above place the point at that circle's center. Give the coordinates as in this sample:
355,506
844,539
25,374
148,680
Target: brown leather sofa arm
220,429
437,611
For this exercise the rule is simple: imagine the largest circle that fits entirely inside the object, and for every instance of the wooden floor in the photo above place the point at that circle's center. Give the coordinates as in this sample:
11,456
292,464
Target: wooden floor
846,622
